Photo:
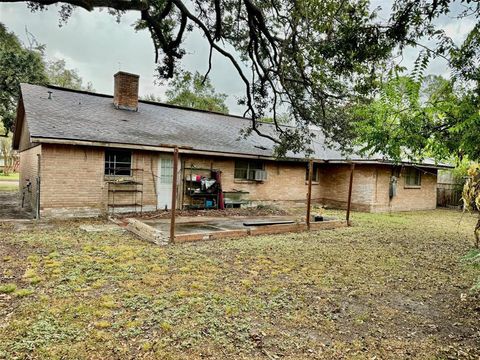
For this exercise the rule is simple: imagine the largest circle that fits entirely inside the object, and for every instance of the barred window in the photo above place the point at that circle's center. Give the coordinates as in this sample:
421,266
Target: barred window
118,162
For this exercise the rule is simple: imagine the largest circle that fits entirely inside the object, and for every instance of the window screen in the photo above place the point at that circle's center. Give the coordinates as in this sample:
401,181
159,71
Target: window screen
413,177
314,174
166,171
245,169
118,162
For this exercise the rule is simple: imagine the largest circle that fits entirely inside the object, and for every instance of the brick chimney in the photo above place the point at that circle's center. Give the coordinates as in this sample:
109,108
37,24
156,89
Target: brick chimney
125,92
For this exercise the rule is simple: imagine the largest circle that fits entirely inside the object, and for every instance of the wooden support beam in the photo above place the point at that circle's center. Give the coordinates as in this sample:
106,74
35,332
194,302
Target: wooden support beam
38,186
349,204
309,193
174,194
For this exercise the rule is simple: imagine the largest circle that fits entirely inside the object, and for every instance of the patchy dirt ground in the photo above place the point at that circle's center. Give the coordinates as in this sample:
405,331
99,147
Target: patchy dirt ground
393,286
11,207
253,211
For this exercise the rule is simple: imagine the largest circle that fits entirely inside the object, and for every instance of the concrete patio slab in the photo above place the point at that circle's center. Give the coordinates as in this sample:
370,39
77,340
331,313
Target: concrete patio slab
101,228
205,228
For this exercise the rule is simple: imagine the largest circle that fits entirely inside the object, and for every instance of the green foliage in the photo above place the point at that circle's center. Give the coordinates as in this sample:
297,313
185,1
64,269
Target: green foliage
473,259
17,64
8,187
409,119
151,97
460,172
471,190
268,208
114,296
44,330
314,57
23,292
464,59
195,91
471,196
7,288
59,75
12,176
6,152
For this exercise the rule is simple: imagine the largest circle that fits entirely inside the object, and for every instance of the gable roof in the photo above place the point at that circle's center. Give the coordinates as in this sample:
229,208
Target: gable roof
89,117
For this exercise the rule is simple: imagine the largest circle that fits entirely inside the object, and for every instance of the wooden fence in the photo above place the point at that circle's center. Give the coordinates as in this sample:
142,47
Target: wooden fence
449,195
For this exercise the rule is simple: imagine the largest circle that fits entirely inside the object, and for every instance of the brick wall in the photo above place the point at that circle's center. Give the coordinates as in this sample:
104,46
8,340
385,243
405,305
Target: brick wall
72,176
28,172
407,198
371,186
285,180
335,181
73,180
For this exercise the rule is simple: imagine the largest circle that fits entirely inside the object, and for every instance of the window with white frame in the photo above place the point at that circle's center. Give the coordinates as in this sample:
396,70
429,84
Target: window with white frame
118,162
245,169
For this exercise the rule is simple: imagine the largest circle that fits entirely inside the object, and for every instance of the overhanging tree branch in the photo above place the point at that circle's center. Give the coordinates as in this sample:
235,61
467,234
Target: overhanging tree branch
313,58
230,57
90,5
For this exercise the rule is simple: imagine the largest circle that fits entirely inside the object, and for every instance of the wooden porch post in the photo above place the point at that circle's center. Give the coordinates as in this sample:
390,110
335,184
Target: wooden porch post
309,193
38,187
174,194
349,204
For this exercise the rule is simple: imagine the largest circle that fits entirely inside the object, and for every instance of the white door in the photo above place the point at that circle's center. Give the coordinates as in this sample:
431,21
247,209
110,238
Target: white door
164,181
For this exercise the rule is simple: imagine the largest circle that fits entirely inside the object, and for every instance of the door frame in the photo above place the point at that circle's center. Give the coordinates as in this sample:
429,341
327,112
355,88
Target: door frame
162,187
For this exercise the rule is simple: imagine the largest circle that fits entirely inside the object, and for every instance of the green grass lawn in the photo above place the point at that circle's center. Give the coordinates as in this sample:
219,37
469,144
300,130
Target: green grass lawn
9,182
8,187
12,176
393,286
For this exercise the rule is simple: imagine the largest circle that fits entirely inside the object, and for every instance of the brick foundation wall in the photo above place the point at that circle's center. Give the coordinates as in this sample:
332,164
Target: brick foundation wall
29,171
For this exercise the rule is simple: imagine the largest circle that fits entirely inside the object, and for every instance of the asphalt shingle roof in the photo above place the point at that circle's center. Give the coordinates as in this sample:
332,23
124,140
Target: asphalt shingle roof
84,116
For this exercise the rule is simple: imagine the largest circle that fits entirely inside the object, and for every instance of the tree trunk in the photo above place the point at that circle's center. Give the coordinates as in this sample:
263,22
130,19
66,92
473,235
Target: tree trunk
476,232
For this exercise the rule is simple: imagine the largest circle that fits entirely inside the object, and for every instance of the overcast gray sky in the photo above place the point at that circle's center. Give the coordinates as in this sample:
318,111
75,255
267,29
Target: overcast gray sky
97,46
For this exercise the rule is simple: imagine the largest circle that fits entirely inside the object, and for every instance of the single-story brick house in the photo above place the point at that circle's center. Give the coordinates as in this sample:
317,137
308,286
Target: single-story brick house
84,154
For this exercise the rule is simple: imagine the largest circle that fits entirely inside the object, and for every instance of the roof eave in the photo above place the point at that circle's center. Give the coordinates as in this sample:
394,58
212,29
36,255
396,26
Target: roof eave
391,163
190,150
159,148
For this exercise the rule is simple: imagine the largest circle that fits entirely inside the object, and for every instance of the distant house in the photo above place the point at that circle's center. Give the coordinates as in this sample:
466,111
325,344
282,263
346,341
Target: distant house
95,153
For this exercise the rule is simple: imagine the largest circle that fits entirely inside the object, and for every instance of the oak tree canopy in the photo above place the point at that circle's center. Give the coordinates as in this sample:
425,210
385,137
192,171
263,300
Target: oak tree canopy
195,91
311,58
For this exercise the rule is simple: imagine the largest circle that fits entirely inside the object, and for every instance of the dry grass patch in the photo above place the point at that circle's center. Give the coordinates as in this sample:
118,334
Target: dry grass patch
392,286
